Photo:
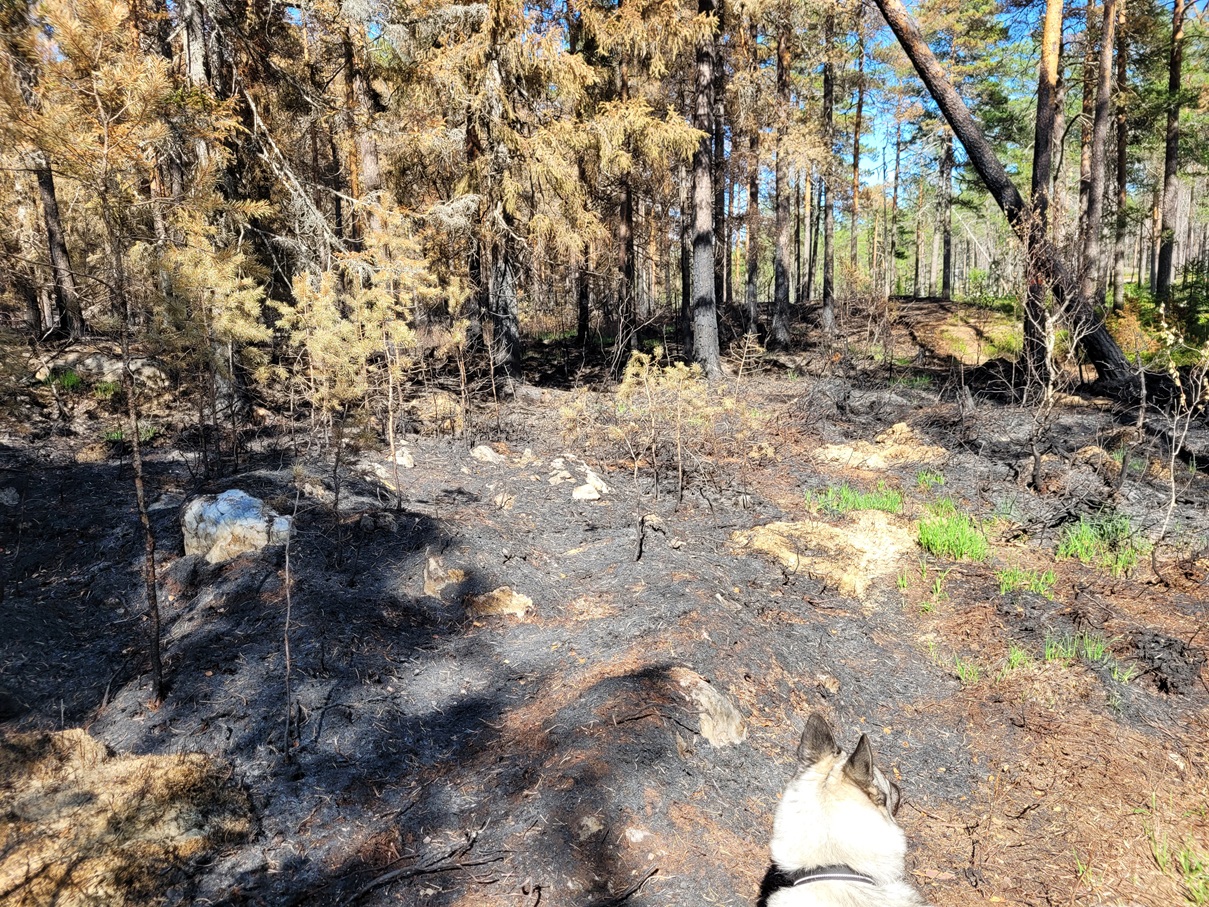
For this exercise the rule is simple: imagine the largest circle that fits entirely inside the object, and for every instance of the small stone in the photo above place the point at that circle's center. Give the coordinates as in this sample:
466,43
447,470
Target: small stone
586,493
485,454
437,576
503,600
405,460
595,481
722,723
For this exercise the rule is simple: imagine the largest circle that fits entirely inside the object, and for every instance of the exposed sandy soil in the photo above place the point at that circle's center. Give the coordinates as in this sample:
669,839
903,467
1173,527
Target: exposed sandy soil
456,745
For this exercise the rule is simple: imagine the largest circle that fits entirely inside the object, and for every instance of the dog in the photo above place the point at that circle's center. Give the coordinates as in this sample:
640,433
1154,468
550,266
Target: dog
834,841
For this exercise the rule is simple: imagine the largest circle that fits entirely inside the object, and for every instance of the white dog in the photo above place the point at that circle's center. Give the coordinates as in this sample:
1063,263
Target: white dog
835,842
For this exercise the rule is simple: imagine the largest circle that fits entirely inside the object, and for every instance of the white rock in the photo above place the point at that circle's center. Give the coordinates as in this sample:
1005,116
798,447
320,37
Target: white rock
595,481
405,460
485,454
586,493
220,527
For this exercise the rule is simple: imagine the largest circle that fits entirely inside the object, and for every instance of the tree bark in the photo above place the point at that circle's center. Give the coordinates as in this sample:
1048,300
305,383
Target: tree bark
892,283
718,169
945,214
704,307
1122,219
1091,284
67,299
502,302
751,301
779,336
816,220
687,216
827,317
1171,156
1086,119
1110,364
1037,328
856,140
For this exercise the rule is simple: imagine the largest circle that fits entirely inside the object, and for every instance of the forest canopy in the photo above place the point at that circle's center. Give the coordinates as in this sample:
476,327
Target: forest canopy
320,198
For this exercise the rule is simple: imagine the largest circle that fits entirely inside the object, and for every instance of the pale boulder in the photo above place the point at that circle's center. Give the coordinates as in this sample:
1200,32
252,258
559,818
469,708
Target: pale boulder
220,527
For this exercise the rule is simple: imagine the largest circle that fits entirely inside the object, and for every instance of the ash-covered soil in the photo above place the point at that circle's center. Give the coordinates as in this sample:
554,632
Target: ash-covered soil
417,748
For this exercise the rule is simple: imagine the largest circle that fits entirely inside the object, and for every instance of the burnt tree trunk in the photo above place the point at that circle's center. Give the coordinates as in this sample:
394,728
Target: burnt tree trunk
751,302
1091,284
1122,219
1036,315
945,214
1171,156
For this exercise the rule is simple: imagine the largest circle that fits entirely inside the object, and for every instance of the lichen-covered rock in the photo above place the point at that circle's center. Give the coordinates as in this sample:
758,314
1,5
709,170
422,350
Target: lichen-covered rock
100,365
220,527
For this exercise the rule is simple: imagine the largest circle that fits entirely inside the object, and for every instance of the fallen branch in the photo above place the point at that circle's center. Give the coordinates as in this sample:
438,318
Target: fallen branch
625,895
447,863
411,872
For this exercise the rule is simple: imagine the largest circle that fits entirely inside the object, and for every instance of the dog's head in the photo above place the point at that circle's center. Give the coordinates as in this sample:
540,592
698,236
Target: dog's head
838,810
818,747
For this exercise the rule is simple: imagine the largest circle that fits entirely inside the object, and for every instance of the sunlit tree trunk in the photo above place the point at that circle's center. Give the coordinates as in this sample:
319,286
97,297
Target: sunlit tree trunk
704,304
856,142
827,317
779,336
945,215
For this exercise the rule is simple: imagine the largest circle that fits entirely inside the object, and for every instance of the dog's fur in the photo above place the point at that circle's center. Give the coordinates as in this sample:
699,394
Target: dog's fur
839,811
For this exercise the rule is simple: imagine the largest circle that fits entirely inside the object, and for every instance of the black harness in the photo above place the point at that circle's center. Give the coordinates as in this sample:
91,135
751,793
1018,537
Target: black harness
823,874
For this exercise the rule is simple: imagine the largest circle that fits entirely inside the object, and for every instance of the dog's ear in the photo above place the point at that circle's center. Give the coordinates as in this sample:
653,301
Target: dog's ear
859,766
817,741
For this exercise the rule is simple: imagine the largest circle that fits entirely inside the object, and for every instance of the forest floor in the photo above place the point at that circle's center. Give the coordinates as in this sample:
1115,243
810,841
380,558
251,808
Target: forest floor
565,741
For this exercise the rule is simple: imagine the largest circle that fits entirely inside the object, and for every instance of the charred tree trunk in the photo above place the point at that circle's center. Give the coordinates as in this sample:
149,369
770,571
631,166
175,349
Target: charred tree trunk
1171,156
751,301
828,313
1091,284
1086,119
1037,330
583,307
502,303
1122,219
718,169
67,298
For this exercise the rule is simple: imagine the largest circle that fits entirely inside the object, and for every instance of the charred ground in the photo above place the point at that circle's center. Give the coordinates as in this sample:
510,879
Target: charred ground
441,755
